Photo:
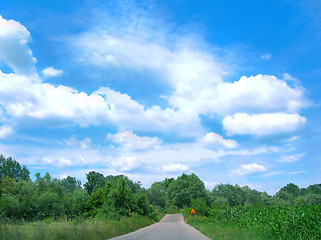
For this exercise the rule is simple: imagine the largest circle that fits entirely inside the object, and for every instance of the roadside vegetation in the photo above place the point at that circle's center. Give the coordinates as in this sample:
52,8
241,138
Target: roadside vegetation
108,206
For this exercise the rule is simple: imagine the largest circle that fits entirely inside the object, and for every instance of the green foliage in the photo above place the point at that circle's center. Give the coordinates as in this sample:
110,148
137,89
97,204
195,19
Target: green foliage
186,188
157,194
291,212
11,168
200,207
94,181
299,222
74,230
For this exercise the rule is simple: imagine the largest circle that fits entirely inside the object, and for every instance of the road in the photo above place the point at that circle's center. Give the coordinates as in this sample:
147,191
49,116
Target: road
171,227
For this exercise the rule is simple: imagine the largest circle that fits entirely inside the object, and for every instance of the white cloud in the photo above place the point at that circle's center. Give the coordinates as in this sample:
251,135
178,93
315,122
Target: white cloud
63,106
210,185
128,163
14,49
262,124
294,173
5,131
266,56
291,158
51,72
214,139
131,142
195,74
249,169
58,162
175,167
63,162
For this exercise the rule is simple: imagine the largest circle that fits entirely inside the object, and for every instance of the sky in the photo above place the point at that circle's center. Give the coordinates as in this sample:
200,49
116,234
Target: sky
228,90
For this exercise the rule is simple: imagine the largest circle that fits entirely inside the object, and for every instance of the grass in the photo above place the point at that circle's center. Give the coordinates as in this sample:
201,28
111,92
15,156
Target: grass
83,230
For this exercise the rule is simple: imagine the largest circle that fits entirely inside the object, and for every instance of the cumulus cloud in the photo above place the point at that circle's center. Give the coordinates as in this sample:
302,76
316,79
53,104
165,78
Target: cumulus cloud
262,124
249,169
175,167
131,142
5,131
52,72
195,74
128,163
59,162
66,106
14,49
210,185
214,139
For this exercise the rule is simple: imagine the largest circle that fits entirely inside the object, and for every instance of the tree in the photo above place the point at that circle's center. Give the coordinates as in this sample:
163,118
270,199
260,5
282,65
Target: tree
70,184
11,168
156,194
289,192
95,180
234,194
186,188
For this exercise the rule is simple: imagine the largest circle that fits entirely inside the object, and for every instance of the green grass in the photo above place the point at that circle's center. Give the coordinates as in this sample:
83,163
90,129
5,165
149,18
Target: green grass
60,230
296,222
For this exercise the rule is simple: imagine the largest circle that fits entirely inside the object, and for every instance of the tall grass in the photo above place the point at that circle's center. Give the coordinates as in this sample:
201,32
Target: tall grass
77,230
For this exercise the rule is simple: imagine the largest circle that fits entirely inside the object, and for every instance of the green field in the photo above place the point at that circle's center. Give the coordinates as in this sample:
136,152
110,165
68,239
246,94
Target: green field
295,222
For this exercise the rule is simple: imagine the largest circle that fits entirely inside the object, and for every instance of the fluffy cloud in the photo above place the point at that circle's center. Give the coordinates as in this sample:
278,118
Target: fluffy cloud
5,131
59,162
14,49
213,139
131,142
262,124
127,163
195,75
51,72
63,105
249,169
175,167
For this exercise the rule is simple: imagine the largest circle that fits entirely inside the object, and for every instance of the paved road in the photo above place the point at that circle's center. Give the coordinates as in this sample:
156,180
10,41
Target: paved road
171,227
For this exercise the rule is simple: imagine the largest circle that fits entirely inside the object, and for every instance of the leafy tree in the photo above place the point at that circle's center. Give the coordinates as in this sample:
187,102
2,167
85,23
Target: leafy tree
308,199
234,194
11,168
70,184
186,188
289,192
156,194
95,180
314,189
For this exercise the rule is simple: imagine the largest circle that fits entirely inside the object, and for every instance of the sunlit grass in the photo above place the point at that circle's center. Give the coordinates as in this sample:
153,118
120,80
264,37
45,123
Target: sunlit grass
80,230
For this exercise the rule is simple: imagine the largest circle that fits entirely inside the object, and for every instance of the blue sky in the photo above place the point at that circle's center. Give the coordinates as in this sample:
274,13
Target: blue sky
228,90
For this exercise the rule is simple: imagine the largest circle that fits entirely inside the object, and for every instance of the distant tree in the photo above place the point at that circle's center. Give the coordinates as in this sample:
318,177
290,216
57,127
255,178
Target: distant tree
234,194
308,199
95,180
289,192
70,184
11,168
157,194
314,189
184,189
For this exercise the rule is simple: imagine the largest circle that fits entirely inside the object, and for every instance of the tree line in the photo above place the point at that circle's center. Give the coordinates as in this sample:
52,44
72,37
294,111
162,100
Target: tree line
112,197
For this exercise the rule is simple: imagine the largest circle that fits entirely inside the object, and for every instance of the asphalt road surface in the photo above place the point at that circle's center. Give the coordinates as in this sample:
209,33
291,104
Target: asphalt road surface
171,227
